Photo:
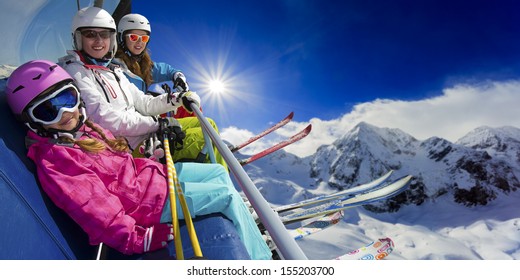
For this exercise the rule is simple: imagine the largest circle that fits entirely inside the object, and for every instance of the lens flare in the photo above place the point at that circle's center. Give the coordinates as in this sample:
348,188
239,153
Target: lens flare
216,86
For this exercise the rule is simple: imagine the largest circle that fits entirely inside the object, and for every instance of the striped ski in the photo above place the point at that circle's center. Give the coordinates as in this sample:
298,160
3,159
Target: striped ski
317,225
375,250
335,196
313,227
263,133
382,193
300,135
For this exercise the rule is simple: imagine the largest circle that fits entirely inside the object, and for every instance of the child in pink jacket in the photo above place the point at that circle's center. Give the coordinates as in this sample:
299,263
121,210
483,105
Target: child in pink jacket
116,199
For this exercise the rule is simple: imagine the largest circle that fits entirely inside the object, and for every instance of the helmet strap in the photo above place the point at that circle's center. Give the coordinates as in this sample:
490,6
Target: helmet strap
99,62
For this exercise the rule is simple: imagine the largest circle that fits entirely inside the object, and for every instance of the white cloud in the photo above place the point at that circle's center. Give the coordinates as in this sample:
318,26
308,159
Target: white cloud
451,115
237,136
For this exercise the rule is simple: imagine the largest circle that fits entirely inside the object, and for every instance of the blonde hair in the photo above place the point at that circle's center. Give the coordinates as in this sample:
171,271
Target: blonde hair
95,145
139,65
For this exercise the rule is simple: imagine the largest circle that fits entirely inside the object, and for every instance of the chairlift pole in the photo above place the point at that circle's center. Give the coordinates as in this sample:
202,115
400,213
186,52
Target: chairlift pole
98,3
286,244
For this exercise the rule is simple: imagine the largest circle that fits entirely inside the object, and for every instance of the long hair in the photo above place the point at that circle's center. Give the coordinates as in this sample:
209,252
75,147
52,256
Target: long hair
95,145
140,65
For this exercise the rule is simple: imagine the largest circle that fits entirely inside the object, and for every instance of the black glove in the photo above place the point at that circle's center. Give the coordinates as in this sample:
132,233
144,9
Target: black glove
171,128
188,97
152,148
166,88
179,82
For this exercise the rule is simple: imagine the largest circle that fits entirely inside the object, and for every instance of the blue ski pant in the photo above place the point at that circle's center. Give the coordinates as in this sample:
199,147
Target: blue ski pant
208,189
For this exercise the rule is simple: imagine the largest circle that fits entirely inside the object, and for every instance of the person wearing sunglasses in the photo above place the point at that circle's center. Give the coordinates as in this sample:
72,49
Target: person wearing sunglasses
133,36
115,198
110,98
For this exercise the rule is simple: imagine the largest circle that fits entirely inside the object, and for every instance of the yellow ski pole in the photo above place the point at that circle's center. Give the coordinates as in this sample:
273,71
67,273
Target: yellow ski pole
173,200
175,188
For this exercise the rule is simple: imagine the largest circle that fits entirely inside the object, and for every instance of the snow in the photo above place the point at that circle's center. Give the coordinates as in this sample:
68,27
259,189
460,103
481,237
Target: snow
6,70
437,229
434,231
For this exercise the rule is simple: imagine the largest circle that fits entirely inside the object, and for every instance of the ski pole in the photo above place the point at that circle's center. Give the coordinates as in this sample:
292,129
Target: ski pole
173,200
175,188
100,250
281,237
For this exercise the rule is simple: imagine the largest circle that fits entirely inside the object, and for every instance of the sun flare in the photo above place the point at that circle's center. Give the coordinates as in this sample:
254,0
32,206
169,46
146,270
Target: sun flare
216,86
221,80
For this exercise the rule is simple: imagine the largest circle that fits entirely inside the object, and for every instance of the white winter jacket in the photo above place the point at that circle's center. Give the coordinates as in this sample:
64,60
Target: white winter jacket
113,102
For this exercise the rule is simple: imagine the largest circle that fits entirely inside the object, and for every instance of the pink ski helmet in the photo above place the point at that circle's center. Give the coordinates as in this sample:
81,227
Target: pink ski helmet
31,79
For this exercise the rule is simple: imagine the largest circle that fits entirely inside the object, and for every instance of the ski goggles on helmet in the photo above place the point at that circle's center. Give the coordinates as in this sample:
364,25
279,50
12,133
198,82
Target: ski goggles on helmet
91,34
135,37
49,109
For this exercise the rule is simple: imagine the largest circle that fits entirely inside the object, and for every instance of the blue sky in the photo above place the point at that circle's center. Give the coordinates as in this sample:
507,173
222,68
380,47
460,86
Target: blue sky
431,68
320,58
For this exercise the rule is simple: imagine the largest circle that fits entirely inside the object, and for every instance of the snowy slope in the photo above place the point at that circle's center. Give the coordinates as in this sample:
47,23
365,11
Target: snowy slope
463,203
5,72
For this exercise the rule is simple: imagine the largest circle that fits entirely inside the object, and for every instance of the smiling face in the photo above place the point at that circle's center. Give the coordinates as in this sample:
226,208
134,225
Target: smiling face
57,108
96,41
68,121
135,47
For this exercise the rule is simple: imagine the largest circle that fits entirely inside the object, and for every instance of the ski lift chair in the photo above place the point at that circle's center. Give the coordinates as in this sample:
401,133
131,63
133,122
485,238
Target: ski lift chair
33,228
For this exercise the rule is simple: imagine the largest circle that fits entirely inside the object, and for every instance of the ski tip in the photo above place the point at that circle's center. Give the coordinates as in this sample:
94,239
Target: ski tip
402,180
407,178
308,128
290,116
375,250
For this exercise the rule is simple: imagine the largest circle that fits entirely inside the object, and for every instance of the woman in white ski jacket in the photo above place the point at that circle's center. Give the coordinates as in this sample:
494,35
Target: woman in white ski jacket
111,100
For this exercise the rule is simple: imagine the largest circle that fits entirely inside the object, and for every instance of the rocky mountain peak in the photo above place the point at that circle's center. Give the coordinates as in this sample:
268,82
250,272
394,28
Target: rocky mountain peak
477,169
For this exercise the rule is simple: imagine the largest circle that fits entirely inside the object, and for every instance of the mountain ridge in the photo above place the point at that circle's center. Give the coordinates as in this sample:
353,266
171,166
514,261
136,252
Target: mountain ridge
475,170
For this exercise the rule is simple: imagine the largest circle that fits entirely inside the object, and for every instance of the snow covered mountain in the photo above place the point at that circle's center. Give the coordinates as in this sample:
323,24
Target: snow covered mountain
480,167
462,192
468,175
6,70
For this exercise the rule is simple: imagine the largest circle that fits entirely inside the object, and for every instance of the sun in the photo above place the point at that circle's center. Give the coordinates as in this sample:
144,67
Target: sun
216,86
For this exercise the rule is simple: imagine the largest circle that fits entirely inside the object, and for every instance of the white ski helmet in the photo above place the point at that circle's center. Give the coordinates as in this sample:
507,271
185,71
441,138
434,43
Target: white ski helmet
132,22
93,17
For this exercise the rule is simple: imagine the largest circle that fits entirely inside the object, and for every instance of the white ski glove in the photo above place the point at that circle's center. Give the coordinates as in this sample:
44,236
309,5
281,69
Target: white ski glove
152,148
184,99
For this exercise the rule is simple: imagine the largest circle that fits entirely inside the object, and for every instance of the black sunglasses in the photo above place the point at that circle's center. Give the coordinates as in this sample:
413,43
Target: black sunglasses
105,34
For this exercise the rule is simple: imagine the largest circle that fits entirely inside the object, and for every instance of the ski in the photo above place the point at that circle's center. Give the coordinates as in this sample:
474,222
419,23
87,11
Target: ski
317,225
375,250
385,192
300,135
345,193
263,133
335,197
